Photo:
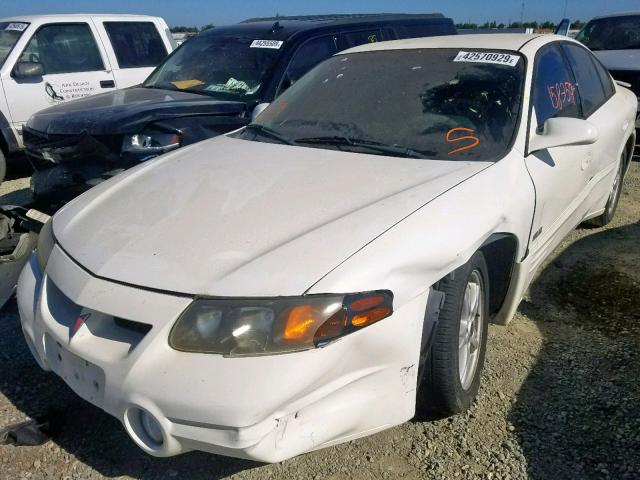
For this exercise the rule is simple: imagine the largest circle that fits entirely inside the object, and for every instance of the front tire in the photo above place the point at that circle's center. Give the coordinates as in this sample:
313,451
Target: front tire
454,364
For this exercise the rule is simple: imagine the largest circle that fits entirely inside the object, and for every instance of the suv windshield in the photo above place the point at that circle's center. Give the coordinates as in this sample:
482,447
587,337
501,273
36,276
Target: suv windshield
10,32
231,68
432,104
612,33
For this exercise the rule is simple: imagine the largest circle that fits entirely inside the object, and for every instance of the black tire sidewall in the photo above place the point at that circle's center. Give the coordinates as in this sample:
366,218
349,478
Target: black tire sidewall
614,199
3,166
443,389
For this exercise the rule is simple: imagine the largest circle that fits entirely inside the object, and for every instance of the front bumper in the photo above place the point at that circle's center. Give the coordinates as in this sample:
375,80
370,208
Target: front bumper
262,408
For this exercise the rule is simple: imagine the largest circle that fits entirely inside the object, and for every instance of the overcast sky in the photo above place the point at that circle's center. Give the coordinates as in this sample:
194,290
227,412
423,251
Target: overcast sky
220,12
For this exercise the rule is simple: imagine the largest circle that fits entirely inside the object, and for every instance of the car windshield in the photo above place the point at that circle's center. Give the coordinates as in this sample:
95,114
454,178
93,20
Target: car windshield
226,67
612,33
10,32
431,104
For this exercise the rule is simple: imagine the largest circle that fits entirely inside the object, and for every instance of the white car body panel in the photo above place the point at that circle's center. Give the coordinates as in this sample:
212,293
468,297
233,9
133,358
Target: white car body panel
276,203
619,59
230,217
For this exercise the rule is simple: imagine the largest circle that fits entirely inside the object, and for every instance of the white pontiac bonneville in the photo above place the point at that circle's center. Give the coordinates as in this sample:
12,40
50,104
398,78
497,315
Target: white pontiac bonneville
313,277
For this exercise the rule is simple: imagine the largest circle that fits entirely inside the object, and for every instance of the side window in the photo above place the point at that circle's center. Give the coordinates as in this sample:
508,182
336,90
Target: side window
136,44
353,39
587,78
64,48
554,89
306,57
605,78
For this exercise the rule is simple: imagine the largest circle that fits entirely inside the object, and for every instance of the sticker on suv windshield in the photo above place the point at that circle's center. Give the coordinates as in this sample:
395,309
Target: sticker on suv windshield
487,57
17,27
275,44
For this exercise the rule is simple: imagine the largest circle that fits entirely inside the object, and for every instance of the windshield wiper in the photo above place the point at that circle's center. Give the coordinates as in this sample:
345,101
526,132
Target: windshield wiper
267,132
393,150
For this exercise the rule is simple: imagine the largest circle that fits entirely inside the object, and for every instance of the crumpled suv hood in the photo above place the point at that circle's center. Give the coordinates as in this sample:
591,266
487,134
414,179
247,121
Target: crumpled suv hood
229,217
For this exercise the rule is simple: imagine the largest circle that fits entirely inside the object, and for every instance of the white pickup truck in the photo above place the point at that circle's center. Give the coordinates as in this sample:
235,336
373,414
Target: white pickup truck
47,59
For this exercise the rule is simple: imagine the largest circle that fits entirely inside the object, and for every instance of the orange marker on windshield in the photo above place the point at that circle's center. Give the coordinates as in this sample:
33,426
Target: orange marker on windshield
475,141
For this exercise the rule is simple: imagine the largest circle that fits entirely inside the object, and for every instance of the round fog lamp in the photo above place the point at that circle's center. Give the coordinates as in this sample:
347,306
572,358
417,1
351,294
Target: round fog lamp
151,427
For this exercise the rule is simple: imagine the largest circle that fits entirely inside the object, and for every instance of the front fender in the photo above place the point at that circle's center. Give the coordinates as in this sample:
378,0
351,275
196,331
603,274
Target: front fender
441,236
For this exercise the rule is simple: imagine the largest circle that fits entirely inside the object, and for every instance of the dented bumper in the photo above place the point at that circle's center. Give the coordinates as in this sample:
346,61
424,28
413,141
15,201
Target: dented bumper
263,408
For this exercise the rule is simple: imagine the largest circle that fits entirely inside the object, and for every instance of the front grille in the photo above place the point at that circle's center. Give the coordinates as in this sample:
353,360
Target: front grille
630,76
44,149
38,139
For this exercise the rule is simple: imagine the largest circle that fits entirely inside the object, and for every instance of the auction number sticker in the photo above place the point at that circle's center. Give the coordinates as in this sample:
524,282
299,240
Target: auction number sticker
487,57
275,44
17,27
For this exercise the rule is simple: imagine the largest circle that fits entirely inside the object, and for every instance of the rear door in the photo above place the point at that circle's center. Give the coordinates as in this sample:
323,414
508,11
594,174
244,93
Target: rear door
134,47
74,67
600,108
560,174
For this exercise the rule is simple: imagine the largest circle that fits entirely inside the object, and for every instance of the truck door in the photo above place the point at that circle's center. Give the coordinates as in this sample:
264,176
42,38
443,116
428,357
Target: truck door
72,66
134,48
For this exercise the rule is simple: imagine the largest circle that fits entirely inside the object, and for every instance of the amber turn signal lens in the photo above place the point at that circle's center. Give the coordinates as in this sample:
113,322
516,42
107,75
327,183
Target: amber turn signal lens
332,328
366,303
372,316
300,322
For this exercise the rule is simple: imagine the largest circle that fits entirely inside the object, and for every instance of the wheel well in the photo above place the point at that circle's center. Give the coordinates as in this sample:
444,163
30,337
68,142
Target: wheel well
628,148
500,254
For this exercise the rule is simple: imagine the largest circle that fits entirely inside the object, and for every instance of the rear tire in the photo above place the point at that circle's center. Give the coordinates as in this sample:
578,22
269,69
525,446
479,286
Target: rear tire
453,368
3,166
614,197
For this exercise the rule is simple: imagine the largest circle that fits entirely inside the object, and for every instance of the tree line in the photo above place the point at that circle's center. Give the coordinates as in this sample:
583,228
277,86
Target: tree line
576,24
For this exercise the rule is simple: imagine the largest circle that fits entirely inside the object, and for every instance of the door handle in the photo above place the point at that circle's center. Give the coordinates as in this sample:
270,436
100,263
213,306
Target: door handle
107,84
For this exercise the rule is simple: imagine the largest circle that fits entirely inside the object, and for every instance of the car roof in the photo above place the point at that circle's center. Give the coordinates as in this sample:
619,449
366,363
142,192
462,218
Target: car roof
618,14
289,26
66,16
497,41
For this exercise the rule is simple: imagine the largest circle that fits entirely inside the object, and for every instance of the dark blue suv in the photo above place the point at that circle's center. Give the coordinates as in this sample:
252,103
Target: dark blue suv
214,83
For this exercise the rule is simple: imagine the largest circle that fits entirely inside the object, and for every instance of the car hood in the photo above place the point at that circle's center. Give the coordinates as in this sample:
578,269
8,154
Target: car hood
229,217
126,111
619,59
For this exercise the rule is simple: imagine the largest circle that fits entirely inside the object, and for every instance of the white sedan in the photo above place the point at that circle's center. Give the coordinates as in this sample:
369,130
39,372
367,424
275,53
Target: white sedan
315,276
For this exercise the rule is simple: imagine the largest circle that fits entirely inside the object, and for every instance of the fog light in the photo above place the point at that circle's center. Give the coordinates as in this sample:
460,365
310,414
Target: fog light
151,427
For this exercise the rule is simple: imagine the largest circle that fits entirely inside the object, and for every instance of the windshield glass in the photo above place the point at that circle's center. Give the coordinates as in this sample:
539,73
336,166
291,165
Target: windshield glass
439,104
10,32
231,68
613,33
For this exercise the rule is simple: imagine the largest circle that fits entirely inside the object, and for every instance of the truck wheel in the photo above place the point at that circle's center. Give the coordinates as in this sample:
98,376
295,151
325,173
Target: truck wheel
3,166
454,364
614,198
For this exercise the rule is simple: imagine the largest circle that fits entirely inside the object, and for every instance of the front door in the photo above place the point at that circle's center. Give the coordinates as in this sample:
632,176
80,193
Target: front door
73,65
560,174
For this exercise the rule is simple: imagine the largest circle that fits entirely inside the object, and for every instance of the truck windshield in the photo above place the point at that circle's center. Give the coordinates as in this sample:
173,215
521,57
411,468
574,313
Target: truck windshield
427,104
10,32
612,33
230,68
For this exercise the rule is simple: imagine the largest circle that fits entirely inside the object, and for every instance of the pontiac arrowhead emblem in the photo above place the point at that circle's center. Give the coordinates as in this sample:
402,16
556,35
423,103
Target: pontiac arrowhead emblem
81,320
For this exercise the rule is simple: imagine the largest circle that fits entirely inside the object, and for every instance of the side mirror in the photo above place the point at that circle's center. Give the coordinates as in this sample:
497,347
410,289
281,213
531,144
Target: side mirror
563,132
261,107
28,70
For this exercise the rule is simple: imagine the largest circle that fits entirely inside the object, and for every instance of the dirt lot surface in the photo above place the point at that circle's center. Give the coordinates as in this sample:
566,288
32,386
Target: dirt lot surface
560,395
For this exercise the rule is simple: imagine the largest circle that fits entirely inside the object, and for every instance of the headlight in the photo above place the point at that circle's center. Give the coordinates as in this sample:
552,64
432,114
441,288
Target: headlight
45,245
151,143
239,327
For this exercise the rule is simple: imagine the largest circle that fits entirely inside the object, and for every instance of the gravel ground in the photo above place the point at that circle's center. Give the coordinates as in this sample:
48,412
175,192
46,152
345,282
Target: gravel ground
559,398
